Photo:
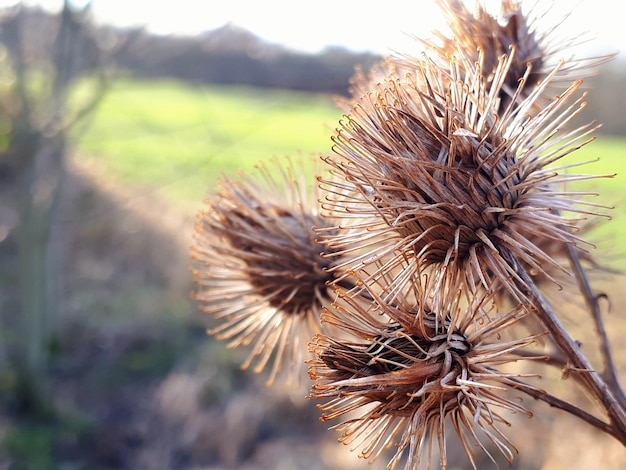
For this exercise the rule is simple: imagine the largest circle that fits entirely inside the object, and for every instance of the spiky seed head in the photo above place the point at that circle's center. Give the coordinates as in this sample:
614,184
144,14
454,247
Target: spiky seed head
409,374
441,177
258,269
514,27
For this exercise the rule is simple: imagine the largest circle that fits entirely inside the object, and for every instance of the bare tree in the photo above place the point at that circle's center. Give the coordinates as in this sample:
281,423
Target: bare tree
42,64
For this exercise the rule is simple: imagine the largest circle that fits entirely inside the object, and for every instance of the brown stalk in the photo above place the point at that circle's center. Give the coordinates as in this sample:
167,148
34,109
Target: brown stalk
579,364
565,406
609,373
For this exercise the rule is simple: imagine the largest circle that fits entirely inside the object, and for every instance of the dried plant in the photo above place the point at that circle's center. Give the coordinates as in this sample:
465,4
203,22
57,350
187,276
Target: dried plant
442,176
446,215
411,368
258,269
514,27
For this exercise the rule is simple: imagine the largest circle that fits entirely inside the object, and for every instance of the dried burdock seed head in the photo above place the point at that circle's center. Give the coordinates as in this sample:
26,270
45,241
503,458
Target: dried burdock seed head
410,376
432,173
364,82
258,270
512,28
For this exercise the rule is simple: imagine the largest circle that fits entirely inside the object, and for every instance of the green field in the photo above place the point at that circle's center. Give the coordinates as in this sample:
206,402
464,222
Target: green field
177,138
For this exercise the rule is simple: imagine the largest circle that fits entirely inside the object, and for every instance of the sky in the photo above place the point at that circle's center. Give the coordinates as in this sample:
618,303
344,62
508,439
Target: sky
311,26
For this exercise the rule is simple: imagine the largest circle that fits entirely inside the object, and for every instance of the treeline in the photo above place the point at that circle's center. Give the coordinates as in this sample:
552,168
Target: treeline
231,55
228,55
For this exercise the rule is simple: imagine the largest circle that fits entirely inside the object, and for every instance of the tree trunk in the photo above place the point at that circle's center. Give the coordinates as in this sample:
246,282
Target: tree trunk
40,121
40,188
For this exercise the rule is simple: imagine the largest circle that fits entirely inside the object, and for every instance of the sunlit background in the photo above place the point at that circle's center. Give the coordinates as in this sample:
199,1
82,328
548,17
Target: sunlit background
182,93
358,26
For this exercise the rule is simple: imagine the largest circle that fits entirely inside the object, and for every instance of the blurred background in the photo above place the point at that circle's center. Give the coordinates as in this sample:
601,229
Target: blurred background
116,119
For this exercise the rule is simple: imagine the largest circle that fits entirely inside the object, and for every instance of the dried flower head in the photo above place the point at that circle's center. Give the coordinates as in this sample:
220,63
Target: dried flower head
258,269
440,176
364,82
410,373
512,28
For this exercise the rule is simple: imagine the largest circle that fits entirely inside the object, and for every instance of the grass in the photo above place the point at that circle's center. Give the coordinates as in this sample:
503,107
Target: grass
605,156
177,139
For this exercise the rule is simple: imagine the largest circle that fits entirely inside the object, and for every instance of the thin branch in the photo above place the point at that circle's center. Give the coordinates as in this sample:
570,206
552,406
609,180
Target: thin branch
16,25
589,377
591,299
554,359
556,402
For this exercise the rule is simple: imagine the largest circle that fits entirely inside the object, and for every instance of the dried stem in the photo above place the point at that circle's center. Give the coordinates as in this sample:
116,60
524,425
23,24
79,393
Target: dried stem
555,359
566,406
580,365
609,373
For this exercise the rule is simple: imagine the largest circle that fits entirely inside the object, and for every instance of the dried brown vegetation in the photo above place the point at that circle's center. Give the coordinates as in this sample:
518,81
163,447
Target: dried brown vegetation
445,216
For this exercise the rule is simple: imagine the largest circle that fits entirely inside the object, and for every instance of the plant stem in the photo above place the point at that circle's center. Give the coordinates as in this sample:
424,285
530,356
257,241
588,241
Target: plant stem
591,299
566,406
592,380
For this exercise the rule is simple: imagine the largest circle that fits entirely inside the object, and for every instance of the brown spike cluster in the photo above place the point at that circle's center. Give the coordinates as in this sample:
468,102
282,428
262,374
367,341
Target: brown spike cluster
446,194
515,30
494,36
443,178
449,171
259,271
408,372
